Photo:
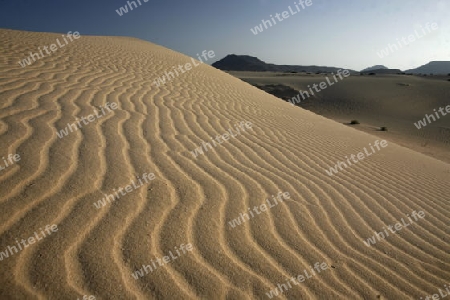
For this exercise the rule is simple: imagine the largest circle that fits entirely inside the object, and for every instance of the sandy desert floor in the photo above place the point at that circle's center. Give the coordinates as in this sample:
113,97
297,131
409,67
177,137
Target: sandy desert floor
394,101
192,200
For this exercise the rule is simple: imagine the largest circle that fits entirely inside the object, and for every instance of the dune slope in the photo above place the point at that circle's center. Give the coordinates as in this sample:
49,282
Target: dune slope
191,200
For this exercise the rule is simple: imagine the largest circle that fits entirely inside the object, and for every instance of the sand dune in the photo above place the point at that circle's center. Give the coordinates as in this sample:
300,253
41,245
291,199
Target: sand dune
192,200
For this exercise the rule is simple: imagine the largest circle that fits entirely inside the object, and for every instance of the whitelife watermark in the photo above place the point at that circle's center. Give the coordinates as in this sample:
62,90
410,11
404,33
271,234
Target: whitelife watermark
169,75
284,15
53,48
441,294
9,161
86,120
224,136
128,189
263,207
360,156
398,226
423,123
391,48
31,240
124,9
323,85
161,262
281,288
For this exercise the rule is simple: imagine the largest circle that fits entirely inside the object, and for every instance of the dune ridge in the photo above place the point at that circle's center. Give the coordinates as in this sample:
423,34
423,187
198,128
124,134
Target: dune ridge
191,200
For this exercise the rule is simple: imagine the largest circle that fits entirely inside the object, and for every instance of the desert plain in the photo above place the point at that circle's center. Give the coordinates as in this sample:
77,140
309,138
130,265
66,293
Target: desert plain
394,101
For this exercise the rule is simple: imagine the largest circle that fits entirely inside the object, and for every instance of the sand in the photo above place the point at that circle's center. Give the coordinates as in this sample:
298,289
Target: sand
393,101
191,200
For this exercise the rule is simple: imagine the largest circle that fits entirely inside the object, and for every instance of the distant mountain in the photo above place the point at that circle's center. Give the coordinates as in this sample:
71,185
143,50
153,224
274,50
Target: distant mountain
235,62
435,67
377,67
383,71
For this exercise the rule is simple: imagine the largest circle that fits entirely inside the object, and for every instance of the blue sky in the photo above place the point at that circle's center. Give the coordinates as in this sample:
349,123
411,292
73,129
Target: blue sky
344,33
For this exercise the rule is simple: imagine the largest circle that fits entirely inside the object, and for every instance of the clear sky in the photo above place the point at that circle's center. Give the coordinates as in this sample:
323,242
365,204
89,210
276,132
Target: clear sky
341,33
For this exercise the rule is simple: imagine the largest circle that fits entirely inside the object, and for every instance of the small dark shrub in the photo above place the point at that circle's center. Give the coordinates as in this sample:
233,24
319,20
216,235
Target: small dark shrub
383,128
354,122
371,73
